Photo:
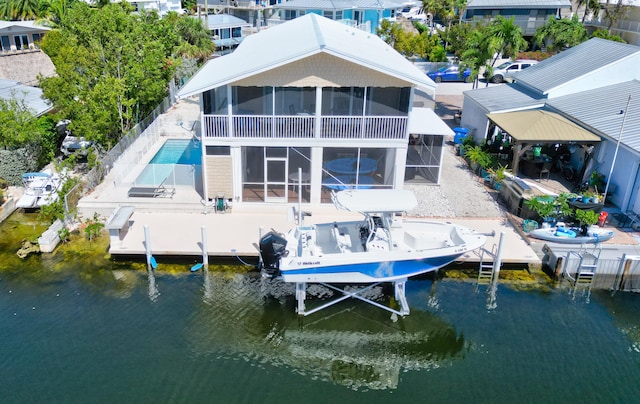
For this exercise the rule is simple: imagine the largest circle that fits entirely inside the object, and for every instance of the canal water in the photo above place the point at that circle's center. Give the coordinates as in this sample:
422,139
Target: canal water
76,326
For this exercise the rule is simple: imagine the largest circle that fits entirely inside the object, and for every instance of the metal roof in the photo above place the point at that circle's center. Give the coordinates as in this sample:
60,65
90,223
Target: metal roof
425,121
541,126
298,39
510,4
339,4
603,110
223,21
22,26
32,96
575,62
505,97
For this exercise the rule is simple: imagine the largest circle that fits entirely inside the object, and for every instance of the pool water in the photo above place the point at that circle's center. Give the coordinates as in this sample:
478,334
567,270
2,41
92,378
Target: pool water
178,151
173,152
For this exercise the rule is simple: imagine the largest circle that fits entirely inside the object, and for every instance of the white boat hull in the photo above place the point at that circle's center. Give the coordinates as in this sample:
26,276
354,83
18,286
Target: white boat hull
334,252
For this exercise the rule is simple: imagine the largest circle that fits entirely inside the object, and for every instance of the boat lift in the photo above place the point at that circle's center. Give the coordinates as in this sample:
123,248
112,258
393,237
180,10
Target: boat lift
398,286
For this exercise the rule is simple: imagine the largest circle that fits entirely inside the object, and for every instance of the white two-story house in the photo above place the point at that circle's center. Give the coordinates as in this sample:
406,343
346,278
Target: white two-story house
320,97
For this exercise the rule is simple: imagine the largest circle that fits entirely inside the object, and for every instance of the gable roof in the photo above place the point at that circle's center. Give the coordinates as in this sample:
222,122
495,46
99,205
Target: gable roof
574,63
603,110
32,96
22,26
511,4
299,39
539,125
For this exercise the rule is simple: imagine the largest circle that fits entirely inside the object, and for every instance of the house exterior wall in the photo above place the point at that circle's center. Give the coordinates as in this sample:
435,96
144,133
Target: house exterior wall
475,119
529,19
628,28
321,70
219,176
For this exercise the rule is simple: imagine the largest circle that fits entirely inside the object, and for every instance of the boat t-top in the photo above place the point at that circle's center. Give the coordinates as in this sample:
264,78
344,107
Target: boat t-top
383,247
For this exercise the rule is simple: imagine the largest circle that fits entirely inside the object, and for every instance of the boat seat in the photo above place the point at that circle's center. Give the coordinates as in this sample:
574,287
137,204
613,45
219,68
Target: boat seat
342,237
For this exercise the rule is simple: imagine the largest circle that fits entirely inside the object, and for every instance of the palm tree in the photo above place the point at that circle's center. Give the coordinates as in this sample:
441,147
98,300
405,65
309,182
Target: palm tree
19,9
589,5
505,38
560,34
477,54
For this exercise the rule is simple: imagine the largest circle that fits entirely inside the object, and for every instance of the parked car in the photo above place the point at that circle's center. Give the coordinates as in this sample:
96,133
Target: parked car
508,69
450,73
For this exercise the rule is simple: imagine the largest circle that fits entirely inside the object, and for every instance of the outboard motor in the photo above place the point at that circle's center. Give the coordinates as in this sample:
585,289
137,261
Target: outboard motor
272,247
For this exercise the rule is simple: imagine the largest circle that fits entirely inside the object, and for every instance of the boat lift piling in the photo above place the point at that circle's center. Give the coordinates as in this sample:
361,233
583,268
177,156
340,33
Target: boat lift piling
205,252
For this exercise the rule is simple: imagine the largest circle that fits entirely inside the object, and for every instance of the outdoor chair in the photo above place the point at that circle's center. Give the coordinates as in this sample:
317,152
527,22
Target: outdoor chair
545,170
221,204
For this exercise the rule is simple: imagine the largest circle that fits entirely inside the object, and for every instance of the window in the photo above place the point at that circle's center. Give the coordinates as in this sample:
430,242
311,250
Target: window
218,151
6,45
21,41
215,101
236,32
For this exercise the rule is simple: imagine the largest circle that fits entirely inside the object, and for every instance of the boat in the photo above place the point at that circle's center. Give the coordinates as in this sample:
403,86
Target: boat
41,189
380,248
572,235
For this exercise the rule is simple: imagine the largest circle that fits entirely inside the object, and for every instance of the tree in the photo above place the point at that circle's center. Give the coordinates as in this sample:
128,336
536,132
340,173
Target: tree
559,34
604,34
476,54
504,38
614,12
18,125
19,9
592,6
113,66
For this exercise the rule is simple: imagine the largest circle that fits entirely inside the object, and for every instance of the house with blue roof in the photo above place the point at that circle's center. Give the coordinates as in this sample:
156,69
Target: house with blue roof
311,106
586,98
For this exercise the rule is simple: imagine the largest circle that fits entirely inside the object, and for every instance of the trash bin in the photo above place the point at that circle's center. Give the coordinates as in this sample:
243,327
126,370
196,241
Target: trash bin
602,219
460,134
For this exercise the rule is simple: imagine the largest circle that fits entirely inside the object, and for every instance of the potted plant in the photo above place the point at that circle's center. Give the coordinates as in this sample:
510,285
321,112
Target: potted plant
544,207
586,218
477,157
562,204
497,176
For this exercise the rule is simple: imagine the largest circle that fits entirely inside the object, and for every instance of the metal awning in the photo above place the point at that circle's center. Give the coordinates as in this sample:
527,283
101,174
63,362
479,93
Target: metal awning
424,121
528,128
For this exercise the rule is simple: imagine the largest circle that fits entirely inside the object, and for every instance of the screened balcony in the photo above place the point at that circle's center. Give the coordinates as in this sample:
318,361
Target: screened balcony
306,112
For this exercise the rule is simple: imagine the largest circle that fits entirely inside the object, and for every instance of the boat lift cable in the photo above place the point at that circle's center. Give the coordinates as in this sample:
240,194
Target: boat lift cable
240,259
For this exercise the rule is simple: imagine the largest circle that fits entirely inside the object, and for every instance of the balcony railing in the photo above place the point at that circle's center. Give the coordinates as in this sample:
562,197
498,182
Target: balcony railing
300,127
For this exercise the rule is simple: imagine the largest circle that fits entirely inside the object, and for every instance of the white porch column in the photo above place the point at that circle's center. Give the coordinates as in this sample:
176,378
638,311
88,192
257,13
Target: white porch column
316,175
401,162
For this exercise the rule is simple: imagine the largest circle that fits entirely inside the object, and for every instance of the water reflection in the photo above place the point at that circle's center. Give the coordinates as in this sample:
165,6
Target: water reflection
352,344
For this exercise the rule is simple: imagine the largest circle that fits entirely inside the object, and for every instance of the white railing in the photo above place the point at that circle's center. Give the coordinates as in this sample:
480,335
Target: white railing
297,127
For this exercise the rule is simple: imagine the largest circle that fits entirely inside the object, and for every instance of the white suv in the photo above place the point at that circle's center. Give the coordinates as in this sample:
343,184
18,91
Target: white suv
508,69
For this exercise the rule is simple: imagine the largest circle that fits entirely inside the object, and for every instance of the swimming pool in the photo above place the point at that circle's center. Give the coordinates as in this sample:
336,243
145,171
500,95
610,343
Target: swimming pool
173,163
178,151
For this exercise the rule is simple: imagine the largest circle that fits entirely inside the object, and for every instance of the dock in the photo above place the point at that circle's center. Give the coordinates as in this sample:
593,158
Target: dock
237,233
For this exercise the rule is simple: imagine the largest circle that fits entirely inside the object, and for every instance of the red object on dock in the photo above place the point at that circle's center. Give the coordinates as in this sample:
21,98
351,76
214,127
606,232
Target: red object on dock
602,219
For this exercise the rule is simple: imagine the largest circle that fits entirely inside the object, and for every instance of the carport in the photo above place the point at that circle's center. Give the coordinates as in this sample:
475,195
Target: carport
537,127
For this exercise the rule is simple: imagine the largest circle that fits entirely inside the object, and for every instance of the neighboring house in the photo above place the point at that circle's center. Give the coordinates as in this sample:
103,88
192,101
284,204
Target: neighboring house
580,97
528,14
161,6
312,94
362,14
20,36
226,30
627,27
31,96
